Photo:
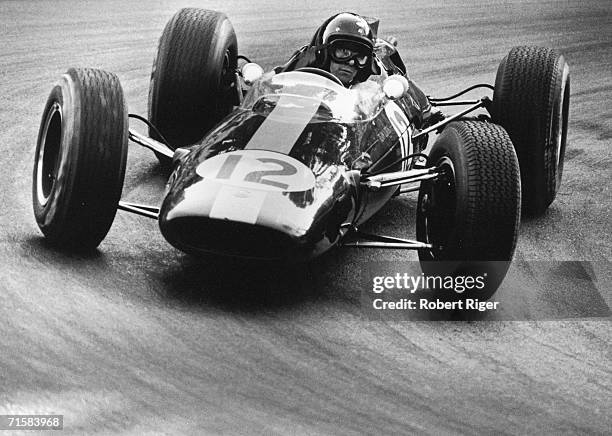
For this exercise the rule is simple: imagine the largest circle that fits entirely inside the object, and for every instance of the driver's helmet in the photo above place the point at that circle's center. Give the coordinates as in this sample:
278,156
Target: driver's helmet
348,30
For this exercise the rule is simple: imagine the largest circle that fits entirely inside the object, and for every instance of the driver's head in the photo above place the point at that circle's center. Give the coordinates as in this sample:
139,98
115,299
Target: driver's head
348,43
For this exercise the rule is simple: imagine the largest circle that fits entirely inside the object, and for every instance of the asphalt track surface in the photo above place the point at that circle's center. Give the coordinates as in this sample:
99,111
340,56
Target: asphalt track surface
139,338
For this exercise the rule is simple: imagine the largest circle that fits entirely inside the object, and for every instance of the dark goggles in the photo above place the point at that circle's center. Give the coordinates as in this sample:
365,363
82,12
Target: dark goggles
344,54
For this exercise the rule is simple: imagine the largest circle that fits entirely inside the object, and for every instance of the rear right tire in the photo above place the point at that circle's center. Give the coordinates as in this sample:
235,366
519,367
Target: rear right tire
531,101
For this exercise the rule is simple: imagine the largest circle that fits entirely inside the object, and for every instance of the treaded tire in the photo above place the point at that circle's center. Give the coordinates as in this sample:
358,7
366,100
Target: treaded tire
80,158
531,101
193,77
472,214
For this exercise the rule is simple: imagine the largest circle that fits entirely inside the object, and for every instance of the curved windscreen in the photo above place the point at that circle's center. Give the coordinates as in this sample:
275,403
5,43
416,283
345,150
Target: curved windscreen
291,94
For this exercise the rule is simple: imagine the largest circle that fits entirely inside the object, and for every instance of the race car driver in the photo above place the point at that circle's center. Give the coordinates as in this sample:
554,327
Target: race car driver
342,45
346,45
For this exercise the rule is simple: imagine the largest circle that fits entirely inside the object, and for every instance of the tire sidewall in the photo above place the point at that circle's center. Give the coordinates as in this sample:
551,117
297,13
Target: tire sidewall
221,46
54,212
444,147
559,118
498,90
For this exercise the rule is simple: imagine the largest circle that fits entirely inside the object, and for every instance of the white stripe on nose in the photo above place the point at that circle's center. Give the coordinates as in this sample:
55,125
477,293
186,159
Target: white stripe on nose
280,136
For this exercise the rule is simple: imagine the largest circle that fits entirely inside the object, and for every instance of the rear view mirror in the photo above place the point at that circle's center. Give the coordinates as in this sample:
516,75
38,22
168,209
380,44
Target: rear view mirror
395,86
251,72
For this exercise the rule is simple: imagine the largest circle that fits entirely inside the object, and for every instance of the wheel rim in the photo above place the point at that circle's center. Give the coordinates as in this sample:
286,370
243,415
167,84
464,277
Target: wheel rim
560,114
227,76
48,154
226,65
438,208
227,79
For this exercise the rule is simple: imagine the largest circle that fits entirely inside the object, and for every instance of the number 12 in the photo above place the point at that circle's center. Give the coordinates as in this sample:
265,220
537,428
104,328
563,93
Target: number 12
231,162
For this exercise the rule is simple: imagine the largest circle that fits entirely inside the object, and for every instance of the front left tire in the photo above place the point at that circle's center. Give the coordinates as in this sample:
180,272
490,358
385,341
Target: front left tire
80,159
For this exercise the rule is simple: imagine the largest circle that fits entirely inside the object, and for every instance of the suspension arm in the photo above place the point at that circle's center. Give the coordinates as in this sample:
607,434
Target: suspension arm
385,180
483,102
139,209
150,143
361,239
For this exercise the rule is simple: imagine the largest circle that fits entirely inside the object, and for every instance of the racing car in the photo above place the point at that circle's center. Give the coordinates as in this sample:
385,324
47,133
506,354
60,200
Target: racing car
287,166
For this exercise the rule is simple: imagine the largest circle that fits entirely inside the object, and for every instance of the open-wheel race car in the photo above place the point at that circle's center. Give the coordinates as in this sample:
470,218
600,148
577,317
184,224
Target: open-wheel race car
286,166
